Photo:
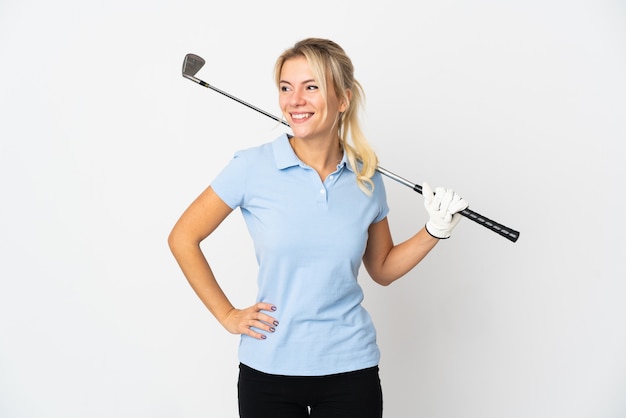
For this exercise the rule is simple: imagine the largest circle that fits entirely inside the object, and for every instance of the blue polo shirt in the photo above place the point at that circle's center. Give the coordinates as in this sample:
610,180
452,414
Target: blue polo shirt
309,237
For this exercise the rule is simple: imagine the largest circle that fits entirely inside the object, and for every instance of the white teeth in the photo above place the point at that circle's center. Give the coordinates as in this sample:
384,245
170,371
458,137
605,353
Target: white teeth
301,116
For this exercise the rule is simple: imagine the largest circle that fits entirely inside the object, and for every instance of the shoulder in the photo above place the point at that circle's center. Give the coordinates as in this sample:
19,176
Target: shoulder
264,150
377,178
379,184
252,152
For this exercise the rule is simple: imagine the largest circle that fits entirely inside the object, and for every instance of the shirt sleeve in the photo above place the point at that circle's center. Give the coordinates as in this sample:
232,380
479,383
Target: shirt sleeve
380,194
230,183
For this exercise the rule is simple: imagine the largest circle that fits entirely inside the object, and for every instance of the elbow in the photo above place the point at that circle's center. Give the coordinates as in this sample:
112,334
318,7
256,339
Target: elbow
171,242
174,241
180,242
385,277
378,274
384,283
171,238
383,280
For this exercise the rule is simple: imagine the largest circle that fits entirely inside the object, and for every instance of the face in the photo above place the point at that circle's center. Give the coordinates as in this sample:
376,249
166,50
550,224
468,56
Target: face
303,104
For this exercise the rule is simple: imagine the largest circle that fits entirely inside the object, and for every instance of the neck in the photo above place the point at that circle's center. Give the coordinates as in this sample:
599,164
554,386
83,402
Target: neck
321,156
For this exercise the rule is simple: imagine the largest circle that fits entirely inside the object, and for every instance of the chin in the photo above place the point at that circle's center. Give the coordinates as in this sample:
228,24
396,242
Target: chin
300,133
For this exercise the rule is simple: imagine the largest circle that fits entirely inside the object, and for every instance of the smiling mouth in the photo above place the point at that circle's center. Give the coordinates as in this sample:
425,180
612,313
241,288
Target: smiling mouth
301,116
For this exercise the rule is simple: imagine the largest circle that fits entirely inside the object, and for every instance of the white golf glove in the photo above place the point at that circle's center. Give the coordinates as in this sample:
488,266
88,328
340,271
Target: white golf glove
443,208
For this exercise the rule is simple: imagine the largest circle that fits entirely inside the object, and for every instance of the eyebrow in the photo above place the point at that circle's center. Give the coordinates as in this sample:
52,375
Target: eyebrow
304,82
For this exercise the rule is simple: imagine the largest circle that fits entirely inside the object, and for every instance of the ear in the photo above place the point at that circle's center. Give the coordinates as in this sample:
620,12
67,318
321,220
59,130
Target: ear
345,103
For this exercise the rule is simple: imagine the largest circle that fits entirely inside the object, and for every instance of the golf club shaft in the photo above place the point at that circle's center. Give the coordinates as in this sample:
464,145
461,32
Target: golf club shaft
496,227
230,96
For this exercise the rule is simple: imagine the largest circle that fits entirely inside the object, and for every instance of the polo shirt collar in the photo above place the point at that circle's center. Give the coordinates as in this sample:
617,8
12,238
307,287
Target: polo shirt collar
285,156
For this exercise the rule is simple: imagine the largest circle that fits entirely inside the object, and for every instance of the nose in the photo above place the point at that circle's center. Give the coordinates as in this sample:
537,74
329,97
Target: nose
297,98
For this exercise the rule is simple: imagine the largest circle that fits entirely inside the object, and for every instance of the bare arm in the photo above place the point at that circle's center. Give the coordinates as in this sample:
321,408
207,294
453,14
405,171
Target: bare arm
200,219
386,262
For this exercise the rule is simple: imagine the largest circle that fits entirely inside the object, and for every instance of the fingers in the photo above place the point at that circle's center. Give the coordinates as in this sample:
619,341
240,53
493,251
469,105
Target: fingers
255,320
252,321
451,203
457,204
444,198
448,201
427,192
443,210
438,200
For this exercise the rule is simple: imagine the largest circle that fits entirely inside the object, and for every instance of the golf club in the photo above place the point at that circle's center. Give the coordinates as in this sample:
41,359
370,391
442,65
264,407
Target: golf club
193,63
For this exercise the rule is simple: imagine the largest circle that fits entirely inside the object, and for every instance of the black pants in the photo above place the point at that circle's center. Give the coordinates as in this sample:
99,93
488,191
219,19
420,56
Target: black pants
355,394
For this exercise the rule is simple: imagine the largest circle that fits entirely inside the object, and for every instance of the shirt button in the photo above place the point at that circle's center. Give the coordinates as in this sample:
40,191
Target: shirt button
332,177
322,191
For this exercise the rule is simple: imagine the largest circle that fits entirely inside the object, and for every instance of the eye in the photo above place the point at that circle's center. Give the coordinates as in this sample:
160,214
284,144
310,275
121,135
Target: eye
312,87
284,88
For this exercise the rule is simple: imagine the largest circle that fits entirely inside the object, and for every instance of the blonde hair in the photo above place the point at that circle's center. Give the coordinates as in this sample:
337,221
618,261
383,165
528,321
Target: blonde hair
329,63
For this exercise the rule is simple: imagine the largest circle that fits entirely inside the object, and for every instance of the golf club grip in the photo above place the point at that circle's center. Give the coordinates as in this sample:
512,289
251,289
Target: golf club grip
506,232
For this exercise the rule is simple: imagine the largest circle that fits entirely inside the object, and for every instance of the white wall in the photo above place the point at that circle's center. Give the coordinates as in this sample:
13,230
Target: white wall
519,106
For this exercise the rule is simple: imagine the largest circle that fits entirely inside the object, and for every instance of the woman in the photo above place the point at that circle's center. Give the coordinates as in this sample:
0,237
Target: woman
315,208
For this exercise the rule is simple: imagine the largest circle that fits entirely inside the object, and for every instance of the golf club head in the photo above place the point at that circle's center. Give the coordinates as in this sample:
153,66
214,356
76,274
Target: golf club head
192,64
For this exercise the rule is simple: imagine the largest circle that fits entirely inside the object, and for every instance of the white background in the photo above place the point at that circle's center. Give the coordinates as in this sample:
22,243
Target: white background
519,106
